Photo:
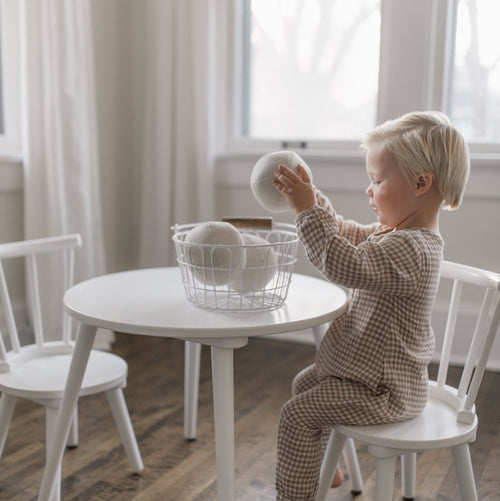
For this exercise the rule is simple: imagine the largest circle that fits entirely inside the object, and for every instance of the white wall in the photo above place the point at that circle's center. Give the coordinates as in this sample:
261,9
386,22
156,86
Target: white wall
119,55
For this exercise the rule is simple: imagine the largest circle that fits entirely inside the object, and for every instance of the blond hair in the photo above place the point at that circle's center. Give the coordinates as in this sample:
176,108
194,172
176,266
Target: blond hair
427,142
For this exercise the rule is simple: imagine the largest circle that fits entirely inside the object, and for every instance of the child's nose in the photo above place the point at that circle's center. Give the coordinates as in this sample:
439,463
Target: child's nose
368,192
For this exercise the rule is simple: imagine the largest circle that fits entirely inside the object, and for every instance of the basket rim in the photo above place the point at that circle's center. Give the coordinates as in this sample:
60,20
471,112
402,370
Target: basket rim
285,228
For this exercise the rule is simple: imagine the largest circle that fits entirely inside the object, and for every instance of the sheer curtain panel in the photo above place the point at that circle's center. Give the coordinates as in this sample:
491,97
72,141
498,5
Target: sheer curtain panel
178,147
61,176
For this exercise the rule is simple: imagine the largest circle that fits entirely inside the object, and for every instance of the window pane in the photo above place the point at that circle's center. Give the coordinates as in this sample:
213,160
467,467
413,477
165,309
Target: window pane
2,128
475,96
310,68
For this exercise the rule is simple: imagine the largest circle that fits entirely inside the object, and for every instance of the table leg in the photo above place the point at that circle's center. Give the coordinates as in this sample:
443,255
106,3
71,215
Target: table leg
192,353
318,332
223,393
84,342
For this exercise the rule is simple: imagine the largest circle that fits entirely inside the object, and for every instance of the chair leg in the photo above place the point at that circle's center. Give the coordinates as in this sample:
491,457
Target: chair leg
192,353
50,432
7,405
72,441
124,424
465,474
408,469
330,461
384,484
352,465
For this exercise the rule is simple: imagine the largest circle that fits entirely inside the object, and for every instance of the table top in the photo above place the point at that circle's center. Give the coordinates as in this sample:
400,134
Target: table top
152,302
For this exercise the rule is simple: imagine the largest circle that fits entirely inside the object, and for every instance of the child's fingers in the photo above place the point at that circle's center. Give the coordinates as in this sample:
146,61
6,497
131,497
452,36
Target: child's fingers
286,176
304,176
301,174
295,177
286,171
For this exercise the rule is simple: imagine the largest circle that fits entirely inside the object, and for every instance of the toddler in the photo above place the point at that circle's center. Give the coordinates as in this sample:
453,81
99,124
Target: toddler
371,366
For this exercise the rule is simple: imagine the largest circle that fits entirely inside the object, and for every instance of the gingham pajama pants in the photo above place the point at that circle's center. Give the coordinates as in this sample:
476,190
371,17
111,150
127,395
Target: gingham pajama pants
306,421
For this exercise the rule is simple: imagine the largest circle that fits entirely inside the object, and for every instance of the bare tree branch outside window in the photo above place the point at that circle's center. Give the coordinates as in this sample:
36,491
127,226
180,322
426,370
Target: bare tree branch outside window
475,103
312,68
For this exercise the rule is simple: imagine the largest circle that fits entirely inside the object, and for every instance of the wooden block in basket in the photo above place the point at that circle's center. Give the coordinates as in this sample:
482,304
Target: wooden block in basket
259,223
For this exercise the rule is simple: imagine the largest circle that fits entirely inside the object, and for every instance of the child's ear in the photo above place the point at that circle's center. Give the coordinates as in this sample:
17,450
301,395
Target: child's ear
422,184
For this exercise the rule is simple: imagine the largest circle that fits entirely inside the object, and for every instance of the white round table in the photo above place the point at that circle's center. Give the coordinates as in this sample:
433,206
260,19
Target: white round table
152,302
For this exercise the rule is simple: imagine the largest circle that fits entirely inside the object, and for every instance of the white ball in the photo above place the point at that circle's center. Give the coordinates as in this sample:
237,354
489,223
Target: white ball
260,267
262,175
212,258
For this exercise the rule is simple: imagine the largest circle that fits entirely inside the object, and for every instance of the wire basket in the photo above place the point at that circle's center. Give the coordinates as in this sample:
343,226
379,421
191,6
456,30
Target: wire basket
254,276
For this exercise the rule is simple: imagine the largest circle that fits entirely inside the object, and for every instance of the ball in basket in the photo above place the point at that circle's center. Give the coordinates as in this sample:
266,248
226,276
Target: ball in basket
260,267
216,254
262,175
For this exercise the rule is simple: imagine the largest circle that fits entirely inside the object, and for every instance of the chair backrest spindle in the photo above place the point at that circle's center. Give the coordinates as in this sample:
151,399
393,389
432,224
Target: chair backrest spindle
30,251
477,340
449,333
484,333
463,415
34,298
69,260
8,312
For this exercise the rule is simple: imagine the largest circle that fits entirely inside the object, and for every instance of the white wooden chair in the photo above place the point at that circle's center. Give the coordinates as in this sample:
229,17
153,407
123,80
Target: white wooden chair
449,419
38,371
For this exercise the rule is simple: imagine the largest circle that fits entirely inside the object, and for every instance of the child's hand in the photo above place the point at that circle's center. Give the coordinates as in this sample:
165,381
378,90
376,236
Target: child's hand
297,189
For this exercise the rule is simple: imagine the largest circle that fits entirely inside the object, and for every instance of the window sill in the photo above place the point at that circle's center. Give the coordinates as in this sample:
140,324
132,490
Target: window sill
485,159
311,154
334,157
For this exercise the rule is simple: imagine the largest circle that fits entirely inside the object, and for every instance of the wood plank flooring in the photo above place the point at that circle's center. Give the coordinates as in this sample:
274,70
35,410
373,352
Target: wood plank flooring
177,470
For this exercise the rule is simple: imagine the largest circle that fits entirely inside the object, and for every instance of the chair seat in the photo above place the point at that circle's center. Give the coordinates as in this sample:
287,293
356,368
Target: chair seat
44,377
435,427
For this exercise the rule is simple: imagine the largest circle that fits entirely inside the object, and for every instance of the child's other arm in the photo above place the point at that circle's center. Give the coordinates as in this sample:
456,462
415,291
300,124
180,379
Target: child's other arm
323,201
388,265
352,230
301,194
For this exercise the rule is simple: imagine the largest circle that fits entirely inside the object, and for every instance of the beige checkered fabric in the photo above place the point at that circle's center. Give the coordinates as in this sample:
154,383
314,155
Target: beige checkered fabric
371,366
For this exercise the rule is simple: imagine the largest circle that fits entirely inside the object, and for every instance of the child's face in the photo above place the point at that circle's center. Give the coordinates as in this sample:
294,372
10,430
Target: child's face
391,196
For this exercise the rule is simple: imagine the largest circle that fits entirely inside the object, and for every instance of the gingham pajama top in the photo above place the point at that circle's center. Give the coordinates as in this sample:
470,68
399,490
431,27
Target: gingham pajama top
384,339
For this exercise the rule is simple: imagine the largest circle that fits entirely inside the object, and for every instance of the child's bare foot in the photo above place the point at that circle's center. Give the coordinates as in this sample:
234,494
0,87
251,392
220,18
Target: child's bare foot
338,478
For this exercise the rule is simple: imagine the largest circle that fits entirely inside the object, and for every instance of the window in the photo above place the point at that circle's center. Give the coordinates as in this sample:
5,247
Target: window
310,68
10,101
318,74
475,87
2,126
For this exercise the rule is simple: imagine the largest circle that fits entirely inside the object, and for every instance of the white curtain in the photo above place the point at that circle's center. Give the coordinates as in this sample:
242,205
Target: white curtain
179,134
60,133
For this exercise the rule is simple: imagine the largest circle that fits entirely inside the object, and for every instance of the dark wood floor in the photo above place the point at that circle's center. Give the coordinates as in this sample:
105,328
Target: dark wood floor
176,470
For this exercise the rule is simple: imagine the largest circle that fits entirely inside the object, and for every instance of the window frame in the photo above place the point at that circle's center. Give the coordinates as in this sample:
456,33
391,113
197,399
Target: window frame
415,71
